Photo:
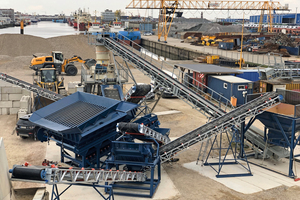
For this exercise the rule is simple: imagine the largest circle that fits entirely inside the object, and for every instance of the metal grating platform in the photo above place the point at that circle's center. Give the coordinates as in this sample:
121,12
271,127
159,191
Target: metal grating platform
112,93
75,114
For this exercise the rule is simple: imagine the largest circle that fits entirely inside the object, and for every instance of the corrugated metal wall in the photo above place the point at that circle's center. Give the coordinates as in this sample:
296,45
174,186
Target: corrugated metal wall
293,86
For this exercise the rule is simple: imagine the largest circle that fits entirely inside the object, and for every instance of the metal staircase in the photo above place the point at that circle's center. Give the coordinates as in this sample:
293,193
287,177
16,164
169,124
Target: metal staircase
32,88
181,87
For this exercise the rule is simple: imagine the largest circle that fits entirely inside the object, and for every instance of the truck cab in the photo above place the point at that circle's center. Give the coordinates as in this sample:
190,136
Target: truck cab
58,57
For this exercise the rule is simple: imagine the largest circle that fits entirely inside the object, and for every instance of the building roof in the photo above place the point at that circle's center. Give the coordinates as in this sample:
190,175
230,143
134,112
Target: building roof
208,68
232,79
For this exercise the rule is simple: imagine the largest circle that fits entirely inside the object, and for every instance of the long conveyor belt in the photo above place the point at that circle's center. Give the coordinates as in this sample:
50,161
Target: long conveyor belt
30,87
190,96
219,125
216,126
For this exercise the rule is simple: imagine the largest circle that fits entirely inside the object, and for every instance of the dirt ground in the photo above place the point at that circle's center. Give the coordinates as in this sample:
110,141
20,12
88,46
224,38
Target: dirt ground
190,184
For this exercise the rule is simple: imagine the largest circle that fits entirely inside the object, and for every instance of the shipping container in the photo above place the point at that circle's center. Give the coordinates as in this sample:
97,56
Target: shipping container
226,45
146,27
291,50
202,78
231,86
250,75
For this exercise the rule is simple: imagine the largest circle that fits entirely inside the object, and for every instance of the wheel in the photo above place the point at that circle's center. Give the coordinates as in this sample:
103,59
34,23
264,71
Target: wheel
36,72
71,70
23,137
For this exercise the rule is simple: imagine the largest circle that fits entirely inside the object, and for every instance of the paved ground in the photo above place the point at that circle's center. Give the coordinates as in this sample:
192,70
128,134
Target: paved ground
190,184
248,57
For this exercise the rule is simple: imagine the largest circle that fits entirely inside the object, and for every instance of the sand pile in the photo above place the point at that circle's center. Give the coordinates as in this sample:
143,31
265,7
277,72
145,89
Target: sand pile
16,50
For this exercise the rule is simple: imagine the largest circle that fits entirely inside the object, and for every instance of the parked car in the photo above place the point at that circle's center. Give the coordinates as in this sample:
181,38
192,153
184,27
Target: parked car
25,128
147,33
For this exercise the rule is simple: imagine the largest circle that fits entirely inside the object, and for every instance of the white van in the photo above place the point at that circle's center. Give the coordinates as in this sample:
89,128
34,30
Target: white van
166,91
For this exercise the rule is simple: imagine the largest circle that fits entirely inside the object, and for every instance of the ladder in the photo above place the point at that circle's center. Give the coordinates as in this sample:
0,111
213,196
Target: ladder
181,88
32,88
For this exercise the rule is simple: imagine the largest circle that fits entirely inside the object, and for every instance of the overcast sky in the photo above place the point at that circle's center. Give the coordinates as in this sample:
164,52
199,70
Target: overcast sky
68,6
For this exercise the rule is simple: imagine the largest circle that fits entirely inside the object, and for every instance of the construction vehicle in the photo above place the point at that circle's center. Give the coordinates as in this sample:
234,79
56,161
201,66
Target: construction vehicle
48,79
57,61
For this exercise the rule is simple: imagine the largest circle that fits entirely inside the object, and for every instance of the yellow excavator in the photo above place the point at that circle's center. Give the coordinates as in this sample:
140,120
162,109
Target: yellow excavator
57,61
48,79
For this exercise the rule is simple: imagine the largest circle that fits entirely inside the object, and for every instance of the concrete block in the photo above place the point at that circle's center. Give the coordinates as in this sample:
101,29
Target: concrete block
25,103
13,111
11,90
22,112
13,97
5,84
16,104
5,111
71,90
5,104
79,88
26,92
4,97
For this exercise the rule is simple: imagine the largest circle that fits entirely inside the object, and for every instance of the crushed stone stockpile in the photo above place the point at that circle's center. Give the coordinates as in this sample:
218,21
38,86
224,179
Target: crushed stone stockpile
17,50
213,28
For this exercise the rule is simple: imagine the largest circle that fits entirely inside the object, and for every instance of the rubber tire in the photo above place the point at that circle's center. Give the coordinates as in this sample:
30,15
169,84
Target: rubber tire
23,137
71,70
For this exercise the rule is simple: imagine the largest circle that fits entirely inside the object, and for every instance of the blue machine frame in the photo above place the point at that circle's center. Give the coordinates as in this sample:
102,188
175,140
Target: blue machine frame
84,124
142,156
281,132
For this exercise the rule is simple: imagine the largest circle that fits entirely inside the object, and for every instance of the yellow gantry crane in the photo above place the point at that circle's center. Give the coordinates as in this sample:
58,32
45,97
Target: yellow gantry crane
168,9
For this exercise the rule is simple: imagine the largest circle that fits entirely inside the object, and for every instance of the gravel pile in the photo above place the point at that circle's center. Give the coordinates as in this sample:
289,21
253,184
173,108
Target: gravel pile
207,28
16,50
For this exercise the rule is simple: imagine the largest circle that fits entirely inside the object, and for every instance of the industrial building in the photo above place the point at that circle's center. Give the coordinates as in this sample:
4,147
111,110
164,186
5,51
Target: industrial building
291,18
108,15
8,13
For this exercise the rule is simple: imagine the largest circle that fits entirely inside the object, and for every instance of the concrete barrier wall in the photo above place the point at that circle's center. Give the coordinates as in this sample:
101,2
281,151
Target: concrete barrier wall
10,97
182,53
5,184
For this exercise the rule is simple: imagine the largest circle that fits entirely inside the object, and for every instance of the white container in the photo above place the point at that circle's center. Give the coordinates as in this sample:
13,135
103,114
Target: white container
22,112
79,88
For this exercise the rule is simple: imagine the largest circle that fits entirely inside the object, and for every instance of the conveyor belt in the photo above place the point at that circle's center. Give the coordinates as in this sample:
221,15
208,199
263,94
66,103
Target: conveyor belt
137,92
218,125
188,95
197,101
136,128
68,176
32,88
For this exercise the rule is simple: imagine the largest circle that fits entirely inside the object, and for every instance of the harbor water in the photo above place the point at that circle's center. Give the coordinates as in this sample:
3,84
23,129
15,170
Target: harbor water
44,29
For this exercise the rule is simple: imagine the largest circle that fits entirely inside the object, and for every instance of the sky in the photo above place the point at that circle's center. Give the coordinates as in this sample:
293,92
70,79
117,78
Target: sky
68,6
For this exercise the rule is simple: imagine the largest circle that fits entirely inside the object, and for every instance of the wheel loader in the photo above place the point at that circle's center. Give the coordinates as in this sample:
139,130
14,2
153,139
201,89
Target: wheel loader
57,61
47,78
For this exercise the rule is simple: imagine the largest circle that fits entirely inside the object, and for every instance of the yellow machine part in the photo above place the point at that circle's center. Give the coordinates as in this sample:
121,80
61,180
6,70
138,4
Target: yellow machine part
41,60
293,86
210,59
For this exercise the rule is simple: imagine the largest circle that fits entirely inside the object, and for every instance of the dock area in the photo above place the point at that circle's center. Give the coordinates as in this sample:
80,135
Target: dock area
175,48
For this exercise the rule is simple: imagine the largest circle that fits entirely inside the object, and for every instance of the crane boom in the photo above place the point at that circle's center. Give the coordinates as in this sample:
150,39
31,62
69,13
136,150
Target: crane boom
168,9
207,5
